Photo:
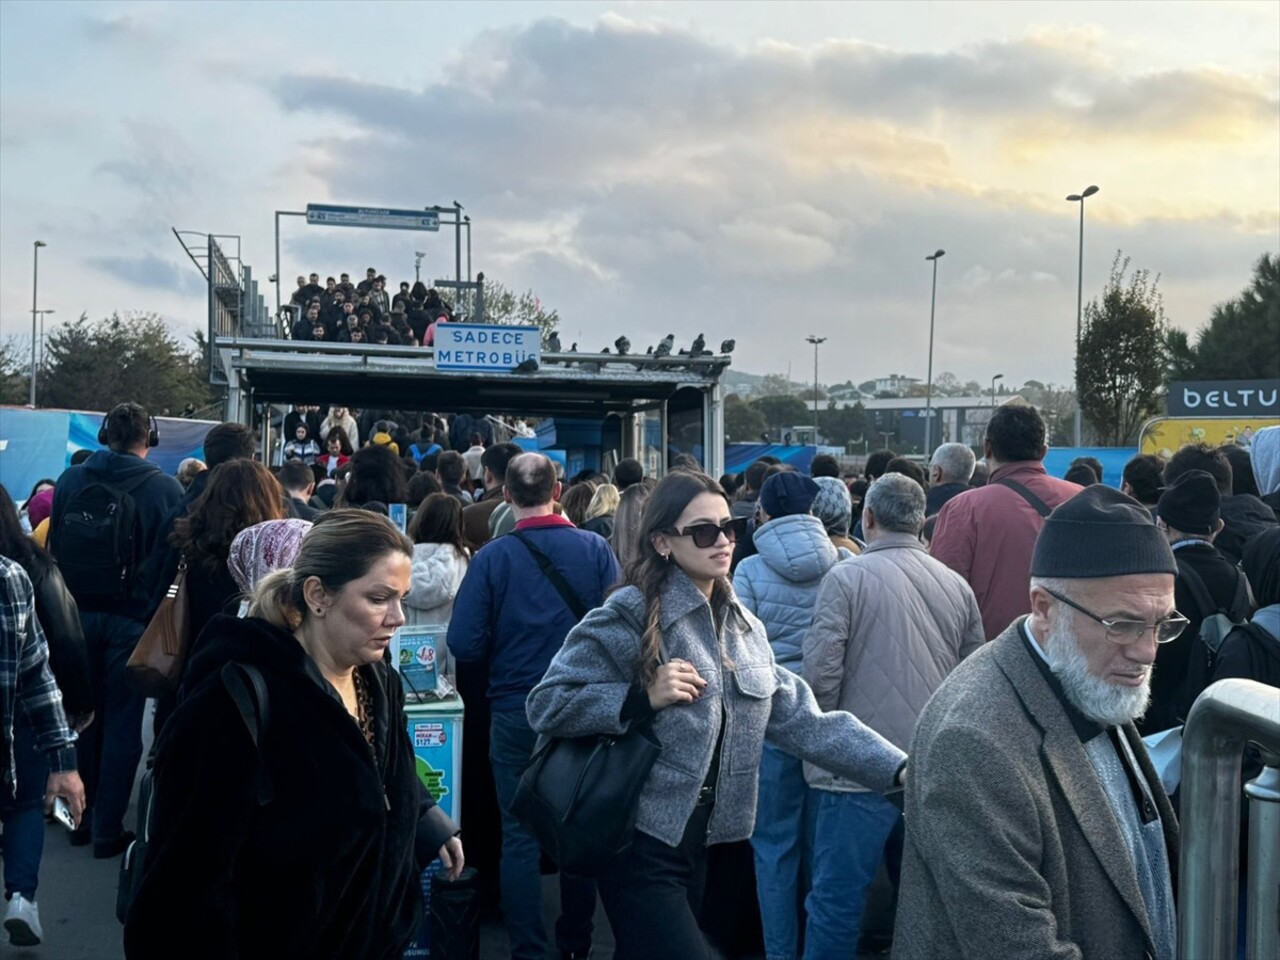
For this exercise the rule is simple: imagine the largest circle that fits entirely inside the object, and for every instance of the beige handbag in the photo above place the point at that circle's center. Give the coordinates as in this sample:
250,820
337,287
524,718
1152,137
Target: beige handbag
155,666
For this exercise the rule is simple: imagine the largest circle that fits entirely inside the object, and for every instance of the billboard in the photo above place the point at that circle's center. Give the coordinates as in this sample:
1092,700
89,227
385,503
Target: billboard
1164,436
1224,398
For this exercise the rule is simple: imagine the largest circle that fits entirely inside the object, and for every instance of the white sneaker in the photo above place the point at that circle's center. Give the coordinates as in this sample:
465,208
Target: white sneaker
22,920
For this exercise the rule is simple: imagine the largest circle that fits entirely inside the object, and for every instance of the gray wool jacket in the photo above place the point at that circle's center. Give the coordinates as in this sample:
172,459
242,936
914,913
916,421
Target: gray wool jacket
584,690
1011,848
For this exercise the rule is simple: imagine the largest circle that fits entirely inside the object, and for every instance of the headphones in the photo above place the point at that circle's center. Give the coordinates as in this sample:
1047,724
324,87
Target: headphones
153,435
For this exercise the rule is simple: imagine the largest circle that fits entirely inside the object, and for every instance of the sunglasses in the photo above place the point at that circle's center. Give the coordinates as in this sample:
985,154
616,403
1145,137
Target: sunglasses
708,534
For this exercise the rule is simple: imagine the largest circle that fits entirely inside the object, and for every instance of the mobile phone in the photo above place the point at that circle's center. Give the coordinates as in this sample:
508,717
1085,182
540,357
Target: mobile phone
62,813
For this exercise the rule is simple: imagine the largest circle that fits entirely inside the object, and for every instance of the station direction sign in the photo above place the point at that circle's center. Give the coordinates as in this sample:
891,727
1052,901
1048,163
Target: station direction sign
328,215
485,348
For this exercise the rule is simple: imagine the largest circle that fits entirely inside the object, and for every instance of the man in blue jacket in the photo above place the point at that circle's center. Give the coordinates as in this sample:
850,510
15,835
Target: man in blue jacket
110,748
521,596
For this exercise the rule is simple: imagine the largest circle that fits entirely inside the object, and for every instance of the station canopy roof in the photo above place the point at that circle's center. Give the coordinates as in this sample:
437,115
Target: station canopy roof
406,378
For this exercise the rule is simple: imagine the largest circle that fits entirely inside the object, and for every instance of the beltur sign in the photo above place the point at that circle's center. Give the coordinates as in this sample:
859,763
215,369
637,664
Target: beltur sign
1224,398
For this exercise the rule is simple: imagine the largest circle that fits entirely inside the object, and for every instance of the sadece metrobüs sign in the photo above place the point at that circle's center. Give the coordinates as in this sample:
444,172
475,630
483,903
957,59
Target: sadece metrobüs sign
1224,398
487,348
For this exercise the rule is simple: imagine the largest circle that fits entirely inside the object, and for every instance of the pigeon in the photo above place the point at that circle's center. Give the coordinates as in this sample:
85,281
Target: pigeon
526,366
664,347
553,343
623,345
649,352
726,346
605,350
699,346
573,347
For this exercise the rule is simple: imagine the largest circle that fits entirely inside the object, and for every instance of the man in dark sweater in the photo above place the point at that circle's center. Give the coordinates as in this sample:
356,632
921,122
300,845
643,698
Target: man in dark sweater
1189,517
949,472
511,615
1244,516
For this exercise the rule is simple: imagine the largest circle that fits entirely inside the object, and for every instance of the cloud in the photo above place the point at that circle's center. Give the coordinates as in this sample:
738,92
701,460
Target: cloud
158,165
626,171
118,26
151,272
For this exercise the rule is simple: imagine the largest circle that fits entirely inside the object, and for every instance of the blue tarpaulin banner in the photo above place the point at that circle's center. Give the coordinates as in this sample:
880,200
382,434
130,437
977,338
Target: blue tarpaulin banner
35,444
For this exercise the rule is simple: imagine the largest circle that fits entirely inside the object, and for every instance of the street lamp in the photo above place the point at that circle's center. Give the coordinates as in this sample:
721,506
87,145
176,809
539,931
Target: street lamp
928,390
998,376
42,316
815,341
1080,198
35,289
417,265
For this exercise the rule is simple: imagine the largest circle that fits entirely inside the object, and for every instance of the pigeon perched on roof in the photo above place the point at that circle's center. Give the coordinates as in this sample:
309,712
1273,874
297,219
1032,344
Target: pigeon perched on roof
665,345
726,346
623,345
526,366
699,347
553,343
573,347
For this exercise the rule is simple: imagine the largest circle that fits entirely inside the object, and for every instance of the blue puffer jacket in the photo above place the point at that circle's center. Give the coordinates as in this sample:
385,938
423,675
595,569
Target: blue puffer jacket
780,583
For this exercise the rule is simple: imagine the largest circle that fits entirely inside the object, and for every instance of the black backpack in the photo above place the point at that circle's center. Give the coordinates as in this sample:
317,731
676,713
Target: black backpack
1215,625
97,542
248,689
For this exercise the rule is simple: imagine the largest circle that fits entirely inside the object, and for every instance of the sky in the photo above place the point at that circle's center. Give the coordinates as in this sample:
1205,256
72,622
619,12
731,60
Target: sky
761,171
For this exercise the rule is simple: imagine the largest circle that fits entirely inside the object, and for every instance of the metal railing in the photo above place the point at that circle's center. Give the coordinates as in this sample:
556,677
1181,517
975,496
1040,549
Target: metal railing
1229,715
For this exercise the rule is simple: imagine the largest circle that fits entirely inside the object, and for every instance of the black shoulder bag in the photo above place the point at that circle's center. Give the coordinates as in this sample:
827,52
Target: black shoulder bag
578,795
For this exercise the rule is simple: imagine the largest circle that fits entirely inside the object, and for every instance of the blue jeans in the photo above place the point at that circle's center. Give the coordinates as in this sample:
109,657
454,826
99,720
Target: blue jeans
23,819
849,841
782,843
511,741
109,749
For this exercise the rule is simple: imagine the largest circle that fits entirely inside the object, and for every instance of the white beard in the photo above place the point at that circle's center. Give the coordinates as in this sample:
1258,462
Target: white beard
1102,702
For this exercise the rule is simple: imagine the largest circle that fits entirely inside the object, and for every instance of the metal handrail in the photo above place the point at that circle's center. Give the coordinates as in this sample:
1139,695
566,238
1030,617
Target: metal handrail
1227,716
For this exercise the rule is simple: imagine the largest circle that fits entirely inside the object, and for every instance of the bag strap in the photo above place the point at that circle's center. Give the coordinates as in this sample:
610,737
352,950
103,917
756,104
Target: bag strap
240,679
571,599
1199,590
1037,504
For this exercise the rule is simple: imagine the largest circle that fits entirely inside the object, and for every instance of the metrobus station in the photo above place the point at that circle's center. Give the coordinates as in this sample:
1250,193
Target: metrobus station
596,408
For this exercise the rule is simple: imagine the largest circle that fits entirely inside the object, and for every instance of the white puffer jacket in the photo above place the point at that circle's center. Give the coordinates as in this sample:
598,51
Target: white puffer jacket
438,569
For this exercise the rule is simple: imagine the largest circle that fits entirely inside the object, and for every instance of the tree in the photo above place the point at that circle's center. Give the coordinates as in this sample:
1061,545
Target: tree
743,423
522,310
1241,341
94,366
1120,367
1057,405
15,364
841,425
773,385
782,412
947,384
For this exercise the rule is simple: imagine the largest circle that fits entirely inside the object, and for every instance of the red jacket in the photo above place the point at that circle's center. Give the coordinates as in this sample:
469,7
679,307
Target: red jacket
987,536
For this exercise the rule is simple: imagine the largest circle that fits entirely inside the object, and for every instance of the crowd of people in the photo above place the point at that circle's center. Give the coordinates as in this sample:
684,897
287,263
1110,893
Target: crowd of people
342,312
981,644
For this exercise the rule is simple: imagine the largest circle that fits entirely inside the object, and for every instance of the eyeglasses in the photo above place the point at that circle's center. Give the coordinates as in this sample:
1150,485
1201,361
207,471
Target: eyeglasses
708,534
1130,631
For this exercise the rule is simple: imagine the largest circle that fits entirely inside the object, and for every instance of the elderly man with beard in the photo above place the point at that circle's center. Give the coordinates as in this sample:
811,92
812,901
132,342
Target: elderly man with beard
1036,824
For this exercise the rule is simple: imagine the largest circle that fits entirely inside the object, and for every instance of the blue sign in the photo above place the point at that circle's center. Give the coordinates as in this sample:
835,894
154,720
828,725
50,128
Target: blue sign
327,215
486,348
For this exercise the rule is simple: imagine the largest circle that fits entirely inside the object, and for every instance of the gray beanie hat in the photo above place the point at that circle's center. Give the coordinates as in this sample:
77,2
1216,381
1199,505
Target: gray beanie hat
1100,532
833,506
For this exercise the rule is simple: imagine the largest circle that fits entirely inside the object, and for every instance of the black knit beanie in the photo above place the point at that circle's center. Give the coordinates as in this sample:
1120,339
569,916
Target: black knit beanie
1191,503
1100,532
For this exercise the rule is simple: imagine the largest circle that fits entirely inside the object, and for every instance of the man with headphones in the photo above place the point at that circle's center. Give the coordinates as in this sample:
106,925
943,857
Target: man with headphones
108,516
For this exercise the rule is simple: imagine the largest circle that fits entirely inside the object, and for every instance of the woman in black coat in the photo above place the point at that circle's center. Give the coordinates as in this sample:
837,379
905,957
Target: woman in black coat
330,868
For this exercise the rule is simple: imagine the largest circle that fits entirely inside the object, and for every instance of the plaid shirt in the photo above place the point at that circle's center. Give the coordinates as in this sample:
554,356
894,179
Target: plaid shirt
27,687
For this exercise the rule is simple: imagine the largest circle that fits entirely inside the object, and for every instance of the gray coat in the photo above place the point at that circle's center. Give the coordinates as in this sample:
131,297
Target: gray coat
1012,850
888,627
587,683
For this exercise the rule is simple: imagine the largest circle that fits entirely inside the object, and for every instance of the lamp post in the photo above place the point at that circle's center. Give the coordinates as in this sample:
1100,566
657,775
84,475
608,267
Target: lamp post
928,390
35,290
42,314
417,265
815,341
1080,198
998,376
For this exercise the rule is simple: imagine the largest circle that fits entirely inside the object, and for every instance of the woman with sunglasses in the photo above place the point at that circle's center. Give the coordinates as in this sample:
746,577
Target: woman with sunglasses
675,648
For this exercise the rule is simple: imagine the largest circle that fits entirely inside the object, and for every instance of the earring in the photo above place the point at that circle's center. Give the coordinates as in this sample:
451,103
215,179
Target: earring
666,558
319,612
